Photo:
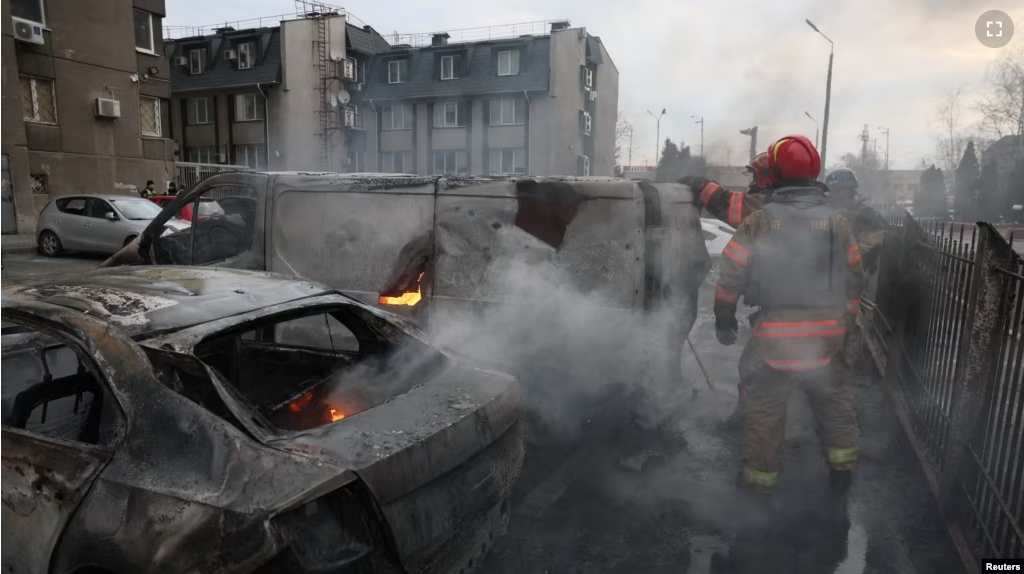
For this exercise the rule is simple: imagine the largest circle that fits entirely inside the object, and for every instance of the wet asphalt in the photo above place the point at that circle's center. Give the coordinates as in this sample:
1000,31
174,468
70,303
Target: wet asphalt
593,508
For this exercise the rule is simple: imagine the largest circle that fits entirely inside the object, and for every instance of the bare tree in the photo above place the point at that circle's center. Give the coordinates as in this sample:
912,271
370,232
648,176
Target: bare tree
624,147
951,141
1002,110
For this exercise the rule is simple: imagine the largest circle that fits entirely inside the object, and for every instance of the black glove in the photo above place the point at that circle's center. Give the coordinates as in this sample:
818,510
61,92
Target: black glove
695,183
725,329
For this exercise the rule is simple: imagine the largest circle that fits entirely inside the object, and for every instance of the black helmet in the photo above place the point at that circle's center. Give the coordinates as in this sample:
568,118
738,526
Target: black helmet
841,178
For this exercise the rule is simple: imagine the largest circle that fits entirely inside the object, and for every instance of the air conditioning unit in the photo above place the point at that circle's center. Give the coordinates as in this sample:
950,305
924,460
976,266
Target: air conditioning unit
590,77
107,108
357,87
27,30
592,95
348,69
181,61
230,54
350,118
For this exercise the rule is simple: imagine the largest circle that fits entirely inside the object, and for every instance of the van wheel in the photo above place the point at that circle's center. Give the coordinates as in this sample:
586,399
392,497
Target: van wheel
49,244
129,239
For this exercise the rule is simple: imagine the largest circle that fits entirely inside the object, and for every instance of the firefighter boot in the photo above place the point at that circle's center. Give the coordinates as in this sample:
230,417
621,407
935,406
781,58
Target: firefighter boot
840,481
734,422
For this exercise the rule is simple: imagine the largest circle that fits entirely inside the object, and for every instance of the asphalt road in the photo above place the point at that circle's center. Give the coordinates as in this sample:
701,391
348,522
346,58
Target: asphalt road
23,267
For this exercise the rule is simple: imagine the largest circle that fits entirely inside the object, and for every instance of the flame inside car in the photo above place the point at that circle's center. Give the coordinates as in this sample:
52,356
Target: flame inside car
409,298
335,414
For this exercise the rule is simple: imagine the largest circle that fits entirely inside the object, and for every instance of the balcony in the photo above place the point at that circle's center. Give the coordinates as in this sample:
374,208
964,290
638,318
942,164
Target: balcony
348,70
353,119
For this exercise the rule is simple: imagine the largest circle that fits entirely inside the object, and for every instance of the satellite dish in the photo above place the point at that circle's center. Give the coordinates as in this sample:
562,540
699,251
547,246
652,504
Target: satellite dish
344,97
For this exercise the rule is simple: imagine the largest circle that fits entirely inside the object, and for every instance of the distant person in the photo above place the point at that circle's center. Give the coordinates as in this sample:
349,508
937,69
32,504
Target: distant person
172,188
148,192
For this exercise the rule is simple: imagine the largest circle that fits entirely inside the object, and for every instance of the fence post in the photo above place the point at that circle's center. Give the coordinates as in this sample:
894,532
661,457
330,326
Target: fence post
976,364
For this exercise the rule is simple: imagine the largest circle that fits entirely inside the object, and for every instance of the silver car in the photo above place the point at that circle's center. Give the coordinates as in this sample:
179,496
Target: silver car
97,223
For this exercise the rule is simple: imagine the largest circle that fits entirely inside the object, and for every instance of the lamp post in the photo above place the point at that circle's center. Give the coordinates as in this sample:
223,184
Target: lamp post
657,143
810,117
752,132
828,93
701,122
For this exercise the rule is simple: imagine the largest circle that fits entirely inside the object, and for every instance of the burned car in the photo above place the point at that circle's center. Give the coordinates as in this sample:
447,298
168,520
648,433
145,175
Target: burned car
183,419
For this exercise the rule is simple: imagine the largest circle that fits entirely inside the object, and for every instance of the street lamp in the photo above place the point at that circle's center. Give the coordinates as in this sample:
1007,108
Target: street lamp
886,132
657,143
810,117
828,93
701,122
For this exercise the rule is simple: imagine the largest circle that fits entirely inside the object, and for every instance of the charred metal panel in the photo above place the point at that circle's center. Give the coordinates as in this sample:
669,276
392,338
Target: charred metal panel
44,481
350,238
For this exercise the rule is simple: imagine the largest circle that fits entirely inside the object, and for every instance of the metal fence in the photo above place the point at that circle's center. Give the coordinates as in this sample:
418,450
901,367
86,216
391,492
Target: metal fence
187,174
945,321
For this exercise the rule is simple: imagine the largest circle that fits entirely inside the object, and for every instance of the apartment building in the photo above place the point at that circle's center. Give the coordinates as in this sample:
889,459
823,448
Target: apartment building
539,104
272,97
85,93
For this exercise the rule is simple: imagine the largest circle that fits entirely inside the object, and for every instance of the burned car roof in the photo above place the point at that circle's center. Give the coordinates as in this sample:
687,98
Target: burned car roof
144,300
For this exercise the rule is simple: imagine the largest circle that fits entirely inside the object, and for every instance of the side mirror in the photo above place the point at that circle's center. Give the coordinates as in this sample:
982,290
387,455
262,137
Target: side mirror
110,216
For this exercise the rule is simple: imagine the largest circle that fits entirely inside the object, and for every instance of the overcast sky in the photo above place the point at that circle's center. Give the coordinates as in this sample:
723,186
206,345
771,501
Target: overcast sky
737,63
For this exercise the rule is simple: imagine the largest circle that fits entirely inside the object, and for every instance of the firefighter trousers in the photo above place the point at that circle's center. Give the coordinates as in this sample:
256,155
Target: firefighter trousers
831,397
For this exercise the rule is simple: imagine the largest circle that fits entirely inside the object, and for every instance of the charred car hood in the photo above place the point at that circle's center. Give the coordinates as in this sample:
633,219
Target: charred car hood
420,435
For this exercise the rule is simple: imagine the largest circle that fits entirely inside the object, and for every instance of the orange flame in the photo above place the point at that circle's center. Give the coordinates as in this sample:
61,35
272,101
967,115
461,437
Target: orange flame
409,298
336,415
301,403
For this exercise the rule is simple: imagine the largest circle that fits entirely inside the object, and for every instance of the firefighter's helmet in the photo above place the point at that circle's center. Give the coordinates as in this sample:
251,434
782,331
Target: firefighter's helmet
842,178
793,158
758,169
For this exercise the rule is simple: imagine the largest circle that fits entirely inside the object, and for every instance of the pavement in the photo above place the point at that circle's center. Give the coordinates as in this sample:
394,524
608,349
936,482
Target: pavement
17,243
630,501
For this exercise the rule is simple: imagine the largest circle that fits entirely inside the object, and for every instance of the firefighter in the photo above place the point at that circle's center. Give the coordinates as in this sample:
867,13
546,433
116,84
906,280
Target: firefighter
732,208
868,226
797,259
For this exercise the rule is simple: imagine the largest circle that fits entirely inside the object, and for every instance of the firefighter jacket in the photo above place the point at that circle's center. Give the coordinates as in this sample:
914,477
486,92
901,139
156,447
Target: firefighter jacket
869,229
796,258
729,206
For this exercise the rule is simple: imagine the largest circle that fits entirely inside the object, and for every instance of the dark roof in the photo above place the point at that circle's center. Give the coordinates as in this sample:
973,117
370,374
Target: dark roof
365,40
481,75
594,50
145,299
221,73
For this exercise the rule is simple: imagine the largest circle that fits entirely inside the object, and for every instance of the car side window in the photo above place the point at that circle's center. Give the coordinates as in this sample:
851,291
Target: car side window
224,235
51,388
97,208
72,206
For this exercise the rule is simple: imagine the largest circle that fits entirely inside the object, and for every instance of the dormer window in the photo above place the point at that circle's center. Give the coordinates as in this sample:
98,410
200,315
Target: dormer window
448,67
196,61
246,55
397,71
508,63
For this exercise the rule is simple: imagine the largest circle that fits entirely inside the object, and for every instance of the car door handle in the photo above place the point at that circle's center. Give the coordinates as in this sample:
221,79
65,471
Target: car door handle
88,225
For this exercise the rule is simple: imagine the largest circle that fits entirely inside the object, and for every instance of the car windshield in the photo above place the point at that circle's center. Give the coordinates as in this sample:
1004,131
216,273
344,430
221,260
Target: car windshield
210,207
137,208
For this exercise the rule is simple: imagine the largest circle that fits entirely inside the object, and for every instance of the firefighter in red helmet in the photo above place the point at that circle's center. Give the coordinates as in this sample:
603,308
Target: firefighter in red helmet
796,258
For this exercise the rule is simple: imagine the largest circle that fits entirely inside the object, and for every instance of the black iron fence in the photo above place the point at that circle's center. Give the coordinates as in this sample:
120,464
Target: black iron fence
944,324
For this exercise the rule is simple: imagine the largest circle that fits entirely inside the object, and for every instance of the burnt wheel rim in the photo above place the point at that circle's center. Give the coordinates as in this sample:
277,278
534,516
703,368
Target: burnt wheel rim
49,243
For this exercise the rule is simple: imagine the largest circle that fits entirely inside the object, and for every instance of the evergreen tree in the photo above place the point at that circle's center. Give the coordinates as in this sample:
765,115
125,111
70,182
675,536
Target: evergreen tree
965,191
990,197
931,198
677,161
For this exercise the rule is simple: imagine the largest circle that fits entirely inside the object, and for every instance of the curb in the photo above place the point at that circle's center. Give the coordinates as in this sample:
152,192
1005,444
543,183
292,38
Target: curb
18,250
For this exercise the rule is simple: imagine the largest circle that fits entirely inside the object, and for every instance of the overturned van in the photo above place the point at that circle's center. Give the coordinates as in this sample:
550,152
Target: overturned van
590,280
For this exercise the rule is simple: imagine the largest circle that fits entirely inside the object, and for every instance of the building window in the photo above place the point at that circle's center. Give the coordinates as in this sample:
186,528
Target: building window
396,118
450,162
397,71
508,63
586,122
37,100
199,111
583,166
196,61
149,116
507,161
31,10
246,108
396,162
144,30
587,77
39,183
202,154
450,114
246,55
448,68
251,155
508,112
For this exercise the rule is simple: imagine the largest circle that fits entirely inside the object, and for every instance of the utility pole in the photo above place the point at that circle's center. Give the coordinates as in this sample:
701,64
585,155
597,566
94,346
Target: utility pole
657,143
630,160
864,146
701,122
752,132
828,93
886,132
816,129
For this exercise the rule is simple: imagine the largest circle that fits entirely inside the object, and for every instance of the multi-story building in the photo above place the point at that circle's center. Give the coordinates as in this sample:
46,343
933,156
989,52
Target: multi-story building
85,93
235,89
330,95
540,104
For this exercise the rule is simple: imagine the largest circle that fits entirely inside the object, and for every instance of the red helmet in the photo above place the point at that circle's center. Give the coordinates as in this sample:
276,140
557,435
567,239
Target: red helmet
793,157
758,169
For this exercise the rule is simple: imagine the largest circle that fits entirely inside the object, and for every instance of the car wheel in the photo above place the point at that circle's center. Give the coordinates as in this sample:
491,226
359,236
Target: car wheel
128,240
49,244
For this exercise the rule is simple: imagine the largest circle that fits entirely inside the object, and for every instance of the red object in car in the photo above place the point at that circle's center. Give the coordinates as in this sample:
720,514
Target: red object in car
207,207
